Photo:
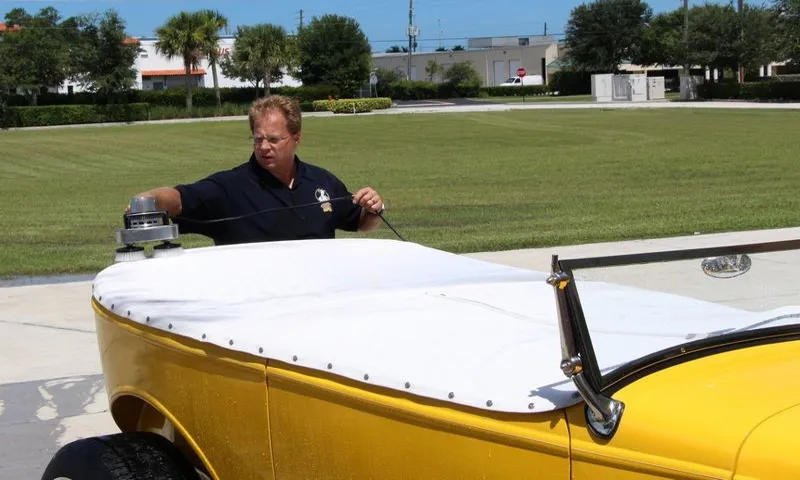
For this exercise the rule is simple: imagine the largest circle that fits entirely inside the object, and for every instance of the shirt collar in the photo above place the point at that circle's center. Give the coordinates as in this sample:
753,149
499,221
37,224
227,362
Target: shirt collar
268,178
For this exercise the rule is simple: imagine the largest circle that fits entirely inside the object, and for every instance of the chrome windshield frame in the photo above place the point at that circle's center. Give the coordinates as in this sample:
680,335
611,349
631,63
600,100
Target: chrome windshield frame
579,363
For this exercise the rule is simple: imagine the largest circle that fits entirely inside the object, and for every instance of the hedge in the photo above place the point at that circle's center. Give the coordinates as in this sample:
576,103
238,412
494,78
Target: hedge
767,90
73,114
571,82
176,97
352,105
421,90
511,91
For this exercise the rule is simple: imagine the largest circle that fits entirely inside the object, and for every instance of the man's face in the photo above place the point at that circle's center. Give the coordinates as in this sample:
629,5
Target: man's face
273,144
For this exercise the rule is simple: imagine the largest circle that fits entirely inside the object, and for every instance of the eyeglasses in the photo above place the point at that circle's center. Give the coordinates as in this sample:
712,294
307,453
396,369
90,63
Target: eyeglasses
272,140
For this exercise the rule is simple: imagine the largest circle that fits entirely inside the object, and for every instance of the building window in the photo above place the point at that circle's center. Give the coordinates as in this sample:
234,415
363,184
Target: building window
524,41
158,85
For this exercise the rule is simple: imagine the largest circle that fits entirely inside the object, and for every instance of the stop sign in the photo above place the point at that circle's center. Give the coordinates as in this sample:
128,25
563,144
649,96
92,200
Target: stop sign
521,72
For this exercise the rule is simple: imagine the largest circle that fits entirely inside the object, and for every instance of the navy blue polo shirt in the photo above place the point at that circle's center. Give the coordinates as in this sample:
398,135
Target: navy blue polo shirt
249,188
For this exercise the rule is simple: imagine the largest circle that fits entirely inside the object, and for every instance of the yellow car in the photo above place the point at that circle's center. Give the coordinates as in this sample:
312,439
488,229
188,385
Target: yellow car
383,359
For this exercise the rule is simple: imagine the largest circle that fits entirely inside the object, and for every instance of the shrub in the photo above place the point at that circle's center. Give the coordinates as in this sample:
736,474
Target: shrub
352,105
176,97
571,82
75,114
160,112
530,90
410,90
767,90
464,89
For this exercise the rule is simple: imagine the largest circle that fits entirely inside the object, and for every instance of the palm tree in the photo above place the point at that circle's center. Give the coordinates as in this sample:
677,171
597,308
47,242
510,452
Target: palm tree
183,35
215,21
266,48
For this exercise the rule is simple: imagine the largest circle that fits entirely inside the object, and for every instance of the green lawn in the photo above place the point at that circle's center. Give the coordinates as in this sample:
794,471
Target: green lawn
460,182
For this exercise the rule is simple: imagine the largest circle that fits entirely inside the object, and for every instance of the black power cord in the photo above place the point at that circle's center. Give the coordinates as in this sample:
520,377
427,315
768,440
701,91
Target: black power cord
278,209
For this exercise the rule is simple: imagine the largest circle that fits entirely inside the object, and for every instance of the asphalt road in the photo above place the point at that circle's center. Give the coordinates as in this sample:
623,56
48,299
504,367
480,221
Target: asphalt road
455,102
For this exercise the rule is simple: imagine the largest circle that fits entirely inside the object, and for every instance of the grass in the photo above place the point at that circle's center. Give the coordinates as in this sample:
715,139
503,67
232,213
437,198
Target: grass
459,182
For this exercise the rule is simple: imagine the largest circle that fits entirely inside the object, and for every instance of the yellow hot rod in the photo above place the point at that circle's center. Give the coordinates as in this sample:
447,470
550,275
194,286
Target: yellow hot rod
382,359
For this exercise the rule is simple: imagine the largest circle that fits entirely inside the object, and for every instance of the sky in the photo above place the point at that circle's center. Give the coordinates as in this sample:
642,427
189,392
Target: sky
441,22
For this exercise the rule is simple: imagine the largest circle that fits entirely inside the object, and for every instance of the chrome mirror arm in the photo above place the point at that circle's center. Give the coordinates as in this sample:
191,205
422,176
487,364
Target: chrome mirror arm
602,413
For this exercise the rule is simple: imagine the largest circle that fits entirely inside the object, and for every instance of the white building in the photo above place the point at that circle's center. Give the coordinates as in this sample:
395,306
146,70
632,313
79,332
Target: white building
494,58
155,72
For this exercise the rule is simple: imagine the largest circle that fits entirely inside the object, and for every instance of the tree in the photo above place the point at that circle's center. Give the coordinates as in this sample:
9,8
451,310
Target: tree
183,35
601,35
718,37
663,41
214,22
104,61
386,76
713,36
37,54
432,68
334,51
787,13
760,43
462,73
259,53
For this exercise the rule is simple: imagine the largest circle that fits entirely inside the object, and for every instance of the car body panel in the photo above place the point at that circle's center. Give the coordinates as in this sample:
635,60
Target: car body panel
325,427
691,419
194,385
770,450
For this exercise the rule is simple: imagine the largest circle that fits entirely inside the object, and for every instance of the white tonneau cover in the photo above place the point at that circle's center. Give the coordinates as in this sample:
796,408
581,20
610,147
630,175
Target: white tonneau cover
399,315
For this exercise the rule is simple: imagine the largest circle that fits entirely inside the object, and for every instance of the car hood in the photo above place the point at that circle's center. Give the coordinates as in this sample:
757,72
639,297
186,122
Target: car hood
705,410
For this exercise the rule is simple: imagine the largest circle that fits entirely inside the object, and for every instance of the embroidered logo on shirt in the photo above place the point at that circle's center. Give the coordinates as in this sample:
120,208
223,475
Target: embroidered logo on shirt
322,196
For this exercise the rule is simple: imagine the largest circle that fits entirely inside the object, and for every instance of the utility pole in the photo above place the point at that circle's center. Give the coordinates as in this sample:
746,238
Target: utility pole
440,33
741,38
410,32
545,29
301,20
686,35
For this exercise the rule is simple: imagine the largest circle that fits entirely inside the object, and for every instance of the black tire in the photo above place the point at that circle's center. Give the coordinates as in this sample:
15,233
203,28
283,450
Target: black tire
123,456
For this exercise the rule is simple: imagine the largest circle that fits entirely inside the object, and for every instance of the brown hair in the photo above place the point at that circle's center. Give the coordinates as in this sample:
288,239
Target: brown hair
285,105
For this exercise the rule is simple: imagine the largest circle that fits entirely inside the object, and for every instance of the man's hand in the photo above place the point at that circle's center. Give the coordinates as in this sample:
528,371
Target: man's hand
167,198
369,199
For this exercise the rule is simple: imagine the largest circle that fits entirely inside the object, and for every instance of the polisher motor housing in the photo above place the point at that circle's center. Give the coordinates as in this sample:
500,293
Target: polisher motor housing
144,223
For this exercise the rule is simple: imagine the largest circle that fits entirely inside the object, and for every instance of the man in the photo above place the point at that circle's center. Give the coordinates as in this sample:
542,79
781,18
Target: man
273,179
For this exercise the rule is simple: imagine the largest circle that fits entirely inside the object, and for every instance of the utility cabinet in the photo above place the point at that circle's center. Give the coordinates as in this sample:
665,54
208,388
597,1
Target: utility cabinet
602,87
630,88
655,88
